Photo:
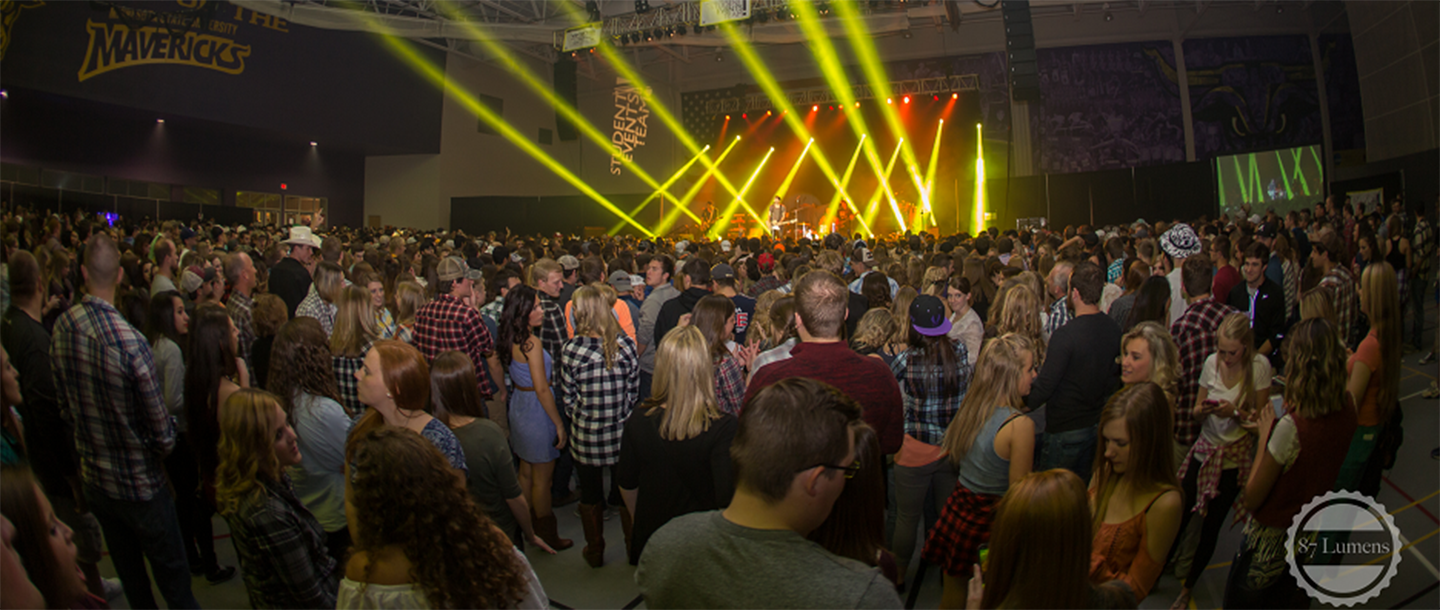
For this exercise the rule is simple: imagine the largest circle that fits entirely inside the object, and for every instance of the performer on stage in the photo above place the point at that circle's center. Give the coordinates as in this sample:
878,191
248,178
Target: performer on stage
777,215
707,215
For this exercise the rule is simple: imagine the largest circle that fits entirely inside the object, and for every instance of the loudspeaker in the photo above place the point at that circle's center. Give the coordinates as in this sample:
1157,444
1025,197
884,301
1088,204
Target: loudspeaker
566,89
1020,51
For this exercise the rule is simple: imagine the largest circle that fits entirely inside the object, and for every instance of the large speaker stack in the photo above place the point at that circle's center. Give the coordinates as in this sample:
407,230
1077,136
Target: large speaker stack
1020,51
566,89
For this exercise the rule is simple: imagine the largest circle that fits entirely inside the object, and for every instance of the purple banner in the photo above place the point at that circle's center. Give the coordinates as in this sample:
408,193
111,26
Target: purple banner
1252,94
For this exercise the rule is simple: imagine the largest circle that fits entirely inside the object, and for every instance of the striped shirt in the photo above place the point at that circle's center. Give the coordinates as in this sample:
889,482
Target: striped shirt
110,392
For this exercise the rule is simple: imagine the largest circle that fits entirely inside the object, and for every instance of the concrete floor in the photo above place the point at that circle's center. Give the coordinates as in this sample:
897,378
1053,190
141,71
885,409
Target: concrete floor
1411,493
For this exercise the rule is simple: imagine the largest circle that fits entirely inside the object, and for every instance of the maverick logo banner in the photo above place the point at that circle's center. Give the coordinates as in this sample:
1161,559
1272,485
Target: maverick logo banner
114,46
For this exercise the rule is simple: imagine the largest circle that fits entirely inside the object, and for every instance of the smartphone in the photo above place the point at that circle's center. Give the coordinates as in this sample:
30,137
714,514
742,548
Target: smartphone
984,556
1278,402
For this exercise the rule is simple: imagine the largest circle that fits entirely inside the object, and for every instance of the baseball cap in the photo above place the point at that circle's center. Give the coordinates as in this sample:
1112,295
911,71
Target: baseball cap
1180,241
1267,230
187,233
620,281
766,262
722,271
725,245
927,316
864,255
452,269
569,263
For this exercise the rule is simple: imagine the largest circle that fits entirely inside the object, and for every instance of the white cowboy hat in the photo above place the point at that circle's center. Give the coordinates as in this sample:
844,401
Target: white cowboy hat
302,236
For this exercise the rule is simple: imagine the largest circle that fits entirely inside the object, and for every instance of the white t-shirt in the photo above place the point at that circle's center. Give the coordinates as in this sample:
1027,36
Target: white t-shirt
1221,431
357,596
1177,300
1284,444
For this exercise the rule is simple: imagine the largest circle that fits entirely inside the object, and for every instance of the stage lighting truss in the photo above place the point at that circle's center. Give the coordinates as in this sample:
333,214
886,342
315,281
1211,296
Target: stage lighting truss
943,86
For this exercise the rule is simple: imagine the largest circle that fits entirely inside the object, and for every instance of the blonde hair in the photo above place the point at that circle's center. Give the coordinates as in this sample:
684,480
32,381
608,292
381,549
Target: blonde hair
1316,358
996,383
1316,304
1020,314
409,298
876,329
1164,356
329,280
1380,298
684,385
354,323
593,316
542,269
1236,327
900,308
246,449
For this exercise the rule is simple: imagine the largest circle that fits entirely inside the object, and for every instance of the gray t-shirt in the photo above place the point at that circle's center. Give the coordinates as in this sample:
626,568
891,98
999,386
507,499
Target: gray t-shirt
702,560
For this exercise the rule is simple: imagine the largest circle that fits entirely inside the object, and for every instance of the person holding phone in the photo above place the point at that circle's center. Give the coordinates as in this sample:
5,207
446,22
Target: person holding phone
1234,387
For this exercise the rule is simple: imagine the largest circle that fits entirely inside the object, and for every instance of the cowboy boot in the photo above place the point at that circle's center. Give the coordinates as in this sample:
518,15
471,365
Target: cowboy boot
546,529
592,518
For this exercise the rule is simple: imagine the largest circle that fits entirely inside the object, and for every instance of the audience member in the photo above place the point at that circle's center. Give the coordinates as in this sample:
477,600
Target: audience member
269,316
599,386
304,380
675,448
1178,244
394,382
323,300
44,543
353,334
240,273
715,316
1136,498
1374,379
420,541
451,322
290,279
1262,301
280,544
1194,333
795,443
1327,254
965,324
855,528
657,281
991,444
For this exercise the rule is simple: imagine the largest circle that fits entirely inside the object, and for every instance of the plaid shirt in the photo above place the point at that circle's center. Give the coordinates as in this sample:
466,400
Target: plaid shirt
1344,295
110,392
282,550
315,307
1212,461
241,312
766,284
928,409
598,400
493,309
1113,271
1059,315
1194,334
1422,244
446,323
345,369
553,333
730,385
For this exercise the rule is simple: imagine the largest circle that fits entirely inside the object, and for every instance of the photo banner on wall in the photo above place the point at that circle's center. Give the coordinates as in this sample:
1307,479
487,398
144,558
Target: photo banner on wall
222,62
1252,94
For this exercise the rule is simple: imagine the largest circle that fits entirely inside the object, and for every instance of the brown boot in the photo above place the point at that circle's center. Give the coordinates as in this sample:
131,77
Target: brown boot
592,518
627,523
546,530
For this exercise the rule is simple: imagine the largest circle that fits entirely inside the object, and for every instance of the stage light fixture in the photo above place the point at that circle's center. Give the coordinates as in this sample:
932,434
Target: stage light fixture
907,99
815,108
763,17
684,29
592,10
954,96
889,100
727,117
312,142
767,113
937,98
642,6
158,121
745,115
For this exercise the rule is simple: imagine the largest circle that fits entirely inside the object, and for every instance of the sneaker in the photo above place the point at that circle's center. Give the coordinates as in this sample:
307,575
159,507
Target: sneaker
1433,392
113,589
220,574
1428,358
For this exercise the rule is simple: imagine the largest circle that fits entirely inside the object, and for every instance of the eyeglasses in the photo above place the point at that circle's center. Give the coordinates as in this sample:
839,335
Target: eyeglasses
850,471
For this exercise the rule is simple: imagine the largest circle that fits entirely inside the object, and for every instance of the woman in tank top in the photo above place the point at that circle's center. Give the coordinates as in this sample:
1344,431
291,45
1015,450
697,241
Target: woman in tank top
993,446
1135,497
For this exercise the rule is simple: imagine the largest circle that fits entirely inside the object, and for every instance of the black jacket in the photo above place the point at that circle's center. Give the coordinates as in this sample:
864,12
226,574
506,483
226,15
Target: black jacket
290,281
1269,319
670,314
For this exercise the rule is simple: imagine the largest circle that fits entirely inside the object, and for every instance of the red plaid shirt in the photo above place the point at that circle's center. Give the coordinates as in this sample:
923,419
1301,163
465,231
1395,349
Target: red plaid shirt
1194,334
1344,295
448,324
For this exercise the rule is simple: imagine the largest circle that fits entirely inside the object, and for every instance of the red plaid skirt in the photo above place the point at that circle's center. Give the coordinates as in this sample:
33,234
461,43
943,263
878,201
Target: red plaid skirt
964,525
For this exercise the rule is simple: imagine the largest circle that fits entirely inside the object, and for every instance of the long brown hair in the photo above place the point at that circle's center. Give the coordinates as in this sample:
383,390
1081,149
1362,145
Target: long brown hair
246,452
453,390
20,502
1316,366
856,525
1149,423
300,362
1040,544
1380,295
406,495
407,378
711,314
354,323
996,384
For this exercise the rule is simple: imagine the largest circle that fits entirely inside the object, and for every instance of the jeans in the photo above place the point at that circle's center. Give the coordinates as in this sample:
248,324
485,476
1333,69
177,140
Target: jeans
137,531
1073,450
645,388
1215,512
196,529
913,486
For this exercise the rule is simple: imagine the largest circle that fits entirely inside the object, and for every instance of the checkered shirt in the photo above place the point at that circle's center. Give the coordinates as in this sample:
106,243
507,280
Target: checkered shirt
315,307
345,369
1423,246
730,385
553,331
282,549
1339,284
241,312
598,400
1059,315
110,392
1194,334
493,309
928,409
1212,461
446,323
1113,271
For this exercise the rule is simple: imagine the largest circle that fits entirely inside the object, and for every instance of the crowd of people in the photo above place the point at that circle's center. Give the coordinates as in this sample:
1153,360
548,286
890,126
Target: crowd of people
391,418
